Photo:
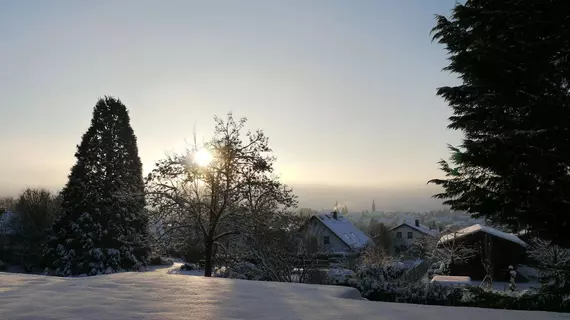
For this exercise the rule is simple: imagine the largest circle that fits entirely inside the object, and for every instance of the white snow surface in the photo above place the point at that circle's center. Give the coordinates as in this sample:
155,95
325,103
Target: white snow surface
345,230
477,228
161,295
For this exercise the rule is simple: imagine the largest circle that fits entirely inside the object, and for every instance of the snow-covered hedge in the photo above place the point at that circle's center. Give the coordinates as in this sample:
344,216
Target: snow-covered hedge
242,270
518,300
379,282
341,276
189,267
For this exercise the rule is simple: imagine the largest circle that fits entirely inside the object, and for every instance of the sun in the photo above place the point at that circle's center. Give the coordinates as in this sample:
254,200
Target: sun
203,157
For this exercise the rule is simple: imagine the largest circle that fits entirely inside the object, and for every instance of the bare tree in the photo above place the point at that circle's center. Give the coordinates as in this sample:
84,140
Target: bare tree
5,232
380,234
448,250
7,204
216,198
35,211
485,250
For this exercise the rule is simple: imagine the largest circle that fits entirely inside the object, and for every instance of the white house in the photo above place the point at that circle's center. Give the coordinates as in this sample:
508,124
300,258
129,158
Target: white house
406,233
336,234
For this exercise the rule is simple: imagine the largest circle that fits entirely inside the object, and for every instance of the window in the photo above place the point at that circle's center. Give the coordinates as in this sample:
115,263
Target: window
399,235
410,235
326,240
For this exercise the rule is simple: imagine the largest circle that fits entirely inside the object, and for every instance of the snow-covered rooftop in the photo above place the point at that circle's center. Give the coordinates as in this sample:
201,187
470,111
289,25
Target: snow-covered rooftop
480,228
451,280
345,230
159,295
421,228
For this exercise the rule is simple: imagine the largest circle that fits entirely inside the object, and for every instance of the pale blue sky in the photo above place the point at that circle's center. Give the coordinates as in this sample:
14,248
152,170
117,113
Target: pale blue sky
344,89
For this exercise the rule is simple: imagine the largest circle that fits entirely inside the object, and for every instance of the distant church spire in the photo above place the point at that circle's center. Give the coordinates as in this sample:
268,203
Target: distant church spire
373,206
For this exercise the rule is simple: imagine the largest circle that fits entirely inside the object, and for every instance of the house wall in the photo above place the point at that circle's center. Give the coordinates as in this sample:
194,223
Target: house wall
317,230
404,241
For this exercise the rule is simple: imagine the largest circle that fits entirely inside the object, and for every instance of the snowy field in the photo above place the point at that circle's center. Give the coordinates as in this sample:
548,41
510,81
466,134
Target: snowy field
166,294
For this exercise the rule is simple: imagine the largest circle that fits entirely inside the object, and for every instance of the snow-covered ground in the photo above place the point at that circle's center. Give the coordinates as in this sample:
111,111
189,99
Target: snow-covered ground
160,294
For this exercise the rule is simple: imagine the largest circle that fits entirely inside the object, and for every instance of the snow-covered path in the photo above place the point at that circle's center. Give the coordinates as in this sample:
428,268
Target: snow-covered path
160,295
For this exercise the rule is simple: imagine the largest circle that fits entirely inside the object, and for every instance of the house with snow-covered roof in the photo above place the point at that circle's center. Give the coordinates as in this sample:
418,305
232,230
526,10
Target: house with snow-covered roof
504,249
335,233
406,233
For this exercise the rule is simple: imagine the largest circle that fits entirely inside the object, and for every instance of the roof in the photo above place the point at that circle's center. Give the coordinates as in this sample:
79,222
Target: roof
344,229
480,228
421,228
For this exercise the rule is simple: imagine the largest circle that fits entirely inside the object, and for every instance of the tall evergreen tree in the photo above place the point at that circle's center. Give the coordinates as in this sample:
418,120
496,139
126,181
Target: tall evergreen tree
513,107
103,227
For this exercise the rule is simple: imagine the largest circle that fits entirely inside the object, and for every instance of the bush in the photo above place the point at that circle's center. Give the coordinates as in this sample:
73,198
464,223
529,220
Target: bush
338,275
155,261
244,271
189,267
524,300
379,282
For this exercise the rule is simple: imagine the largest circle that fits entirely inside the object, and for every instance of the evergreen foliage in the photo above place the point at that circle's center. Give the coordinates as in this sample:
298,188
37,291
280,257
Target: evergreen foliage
103,227
513,106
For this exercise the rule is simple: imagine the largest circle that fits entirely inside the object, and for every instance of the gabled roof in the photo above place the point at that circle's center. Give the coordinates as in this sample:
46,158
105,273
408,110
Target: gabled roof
344,229
480,228
423,229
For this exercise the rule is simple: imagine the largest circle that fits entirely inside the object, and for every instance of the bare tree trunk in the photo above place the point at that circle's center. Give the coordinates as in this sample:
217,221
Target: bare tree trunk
209,253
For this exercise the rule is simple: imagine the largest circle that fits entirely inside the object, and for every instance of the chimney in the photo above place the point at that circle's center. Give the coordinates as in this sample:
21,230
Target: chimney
335,214
417,223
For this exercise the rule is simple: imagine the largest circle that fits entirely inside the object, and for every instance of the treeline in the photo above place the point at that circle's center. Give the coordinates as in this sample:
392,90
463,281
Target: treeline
219,202
23,235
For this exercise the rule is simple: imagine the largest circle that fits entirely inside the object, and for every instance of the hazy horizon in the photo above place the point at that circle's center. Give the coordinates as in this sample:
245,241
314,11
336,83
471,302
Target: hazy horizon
344,90
357,199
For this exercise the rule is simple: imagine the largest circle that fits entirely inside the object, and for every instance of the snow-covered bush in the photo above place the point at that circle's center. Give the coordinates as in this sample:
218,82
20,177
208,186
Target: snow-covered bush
522,300
340,276
242,270
189,267
418,293
444,295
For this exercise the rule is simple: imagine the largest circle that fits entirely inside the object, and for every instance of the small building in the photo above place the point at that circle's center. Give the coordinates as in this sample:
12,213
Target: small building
335,233
406,233
505,249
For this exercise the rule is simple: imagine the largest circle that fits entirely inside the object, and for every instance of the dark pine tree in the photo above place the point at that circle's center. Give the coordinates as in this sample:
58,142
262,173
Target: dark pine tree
513,106
103,227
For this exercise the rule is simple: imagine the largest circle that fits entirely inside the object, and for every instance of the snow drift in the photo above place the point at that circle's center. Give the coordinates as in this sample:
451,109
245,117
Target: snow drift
159,295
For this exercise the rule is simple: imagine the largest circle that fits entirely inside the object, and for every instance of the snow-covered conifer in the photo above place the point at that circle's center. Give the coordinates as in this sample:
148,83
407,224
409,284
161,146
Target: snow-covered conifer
103,227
